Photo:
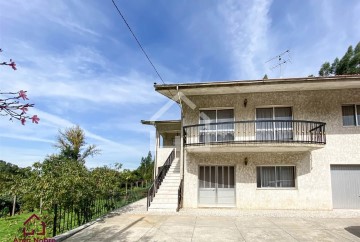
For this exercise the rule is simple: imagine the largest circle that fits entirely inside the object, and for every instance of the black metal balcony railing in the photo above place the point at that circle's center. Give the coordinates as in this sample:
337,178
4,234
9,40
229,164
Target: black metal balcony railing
255,131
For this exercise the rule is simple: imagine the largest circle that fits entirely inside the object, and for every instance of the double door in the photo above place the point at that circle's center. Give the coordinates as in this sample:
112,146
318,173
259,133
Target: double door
216,186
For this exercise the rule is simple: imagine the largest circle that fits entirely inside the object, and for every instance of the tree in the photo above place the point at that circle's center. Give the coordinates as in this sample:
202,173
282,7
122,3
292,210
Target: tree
325,69
349,64
10,104
71,143
265,77
146,167
13,184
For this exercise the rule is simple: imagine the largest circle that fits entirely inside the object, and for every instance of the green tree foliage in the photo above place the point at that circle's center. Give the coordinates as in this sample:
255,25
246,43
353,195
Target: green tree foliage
64,179
325,69
13,185
349,64
146,167
71,144
60,179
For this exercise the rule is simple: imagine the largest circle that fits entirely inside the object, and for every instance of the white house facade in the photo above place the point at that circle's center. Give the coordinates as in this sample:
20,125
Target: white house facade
265,144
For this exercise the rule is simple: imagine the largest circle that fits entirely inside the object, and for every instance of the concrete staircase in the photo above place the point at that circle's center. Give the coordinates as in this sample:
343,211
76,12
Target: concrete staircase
166,199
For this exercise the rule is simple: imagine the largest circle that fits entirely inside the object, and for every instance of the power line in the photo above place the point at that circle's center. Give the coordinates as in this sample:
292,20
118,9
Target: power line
138,42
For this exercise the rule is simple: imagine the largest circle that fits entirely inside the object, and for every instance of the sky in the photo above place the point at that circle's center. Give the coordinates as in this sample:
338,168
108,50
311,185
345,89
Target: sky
81,65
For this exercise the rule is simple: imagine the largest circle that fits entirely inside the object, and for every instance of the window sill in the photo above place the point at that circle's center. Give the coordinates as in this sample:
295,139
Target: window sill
276,188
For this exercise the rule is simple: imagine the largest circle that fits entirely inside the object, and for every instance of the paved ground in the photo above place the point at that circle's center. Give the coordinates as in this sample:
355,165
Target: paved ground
133,223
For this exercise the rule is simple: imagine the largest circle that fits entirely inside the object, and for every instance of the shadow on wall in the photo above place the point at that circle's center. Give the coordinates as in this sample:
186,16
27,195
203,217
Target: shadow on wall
355,230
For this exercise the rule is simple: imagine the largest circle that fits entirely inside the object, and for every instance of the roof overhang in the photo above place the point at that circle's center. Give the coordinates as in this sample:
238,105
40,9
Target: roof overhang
149,122
256,86
165,126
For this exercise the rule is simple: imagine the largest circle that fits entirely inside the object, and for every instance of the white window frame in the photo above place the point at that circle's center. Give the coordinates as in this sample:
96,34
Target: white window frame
273,117
216,120
277,188
357,121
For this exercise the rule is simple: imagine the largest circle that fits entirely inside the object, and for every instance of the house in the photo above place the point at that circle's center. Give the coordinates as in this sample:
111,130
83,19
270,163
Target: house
289,143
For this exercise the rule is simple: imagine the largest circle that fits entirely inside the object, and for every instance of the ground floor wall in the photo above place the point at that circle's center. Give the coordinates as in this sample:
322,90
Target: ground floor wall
312,189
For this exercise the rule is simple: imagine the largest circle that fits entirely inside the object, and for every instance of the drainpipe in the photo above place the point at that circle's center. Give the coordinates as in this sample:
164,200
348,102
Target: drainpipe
182,160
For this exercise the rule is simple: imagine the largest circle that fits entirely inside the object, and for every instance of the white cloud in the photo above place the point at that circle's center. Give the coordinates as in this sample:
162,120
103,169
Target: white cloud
48,127
247,35
71,76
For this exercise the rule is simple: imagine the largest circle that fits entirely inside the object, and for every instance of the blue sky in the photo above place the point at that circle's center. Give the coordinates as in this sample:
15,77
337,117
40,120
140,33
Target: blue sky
80,64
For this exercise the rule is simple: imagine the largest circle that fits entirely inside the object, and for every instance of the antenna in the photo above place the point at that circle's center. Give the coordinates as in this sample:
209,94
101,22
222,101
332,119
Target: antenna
282,59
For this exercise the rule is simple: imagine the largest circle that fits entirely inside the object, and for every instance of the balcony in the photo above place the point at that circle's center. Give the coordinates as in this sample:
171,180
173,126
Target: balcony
255,136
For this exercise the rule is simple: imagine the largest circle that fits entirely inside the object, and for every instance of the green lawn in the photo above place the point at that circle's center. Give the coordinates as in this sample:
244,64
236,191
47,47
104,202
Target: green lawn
11,227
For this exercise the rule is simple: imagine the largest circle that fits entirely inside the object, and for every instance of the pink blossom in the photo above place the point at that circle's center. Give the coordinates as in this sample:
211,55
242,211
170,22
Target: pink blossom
24,109
35,119
23,120
12,64
23,95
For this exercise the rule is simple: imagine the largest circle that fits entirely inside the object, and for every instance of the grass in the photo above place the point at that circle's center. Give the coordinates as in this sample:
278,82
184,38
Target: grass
11,227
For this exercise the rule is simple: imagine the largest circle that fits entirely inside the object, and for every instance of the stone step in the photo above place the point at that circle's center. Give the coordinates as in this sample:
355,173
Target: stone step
170,183
167,185
172,175
172,200
172,178
166,196
167,192
168,189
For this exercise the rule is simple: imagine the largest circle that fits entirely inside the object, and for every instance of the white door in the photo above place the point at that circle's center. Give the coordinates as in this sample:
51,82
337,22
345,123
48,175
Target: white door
216,186
345,182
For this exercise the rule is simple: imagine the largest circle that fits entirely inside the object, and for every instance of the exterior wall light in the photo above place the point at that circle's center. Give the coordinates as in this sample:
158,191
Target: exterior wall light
246,161
245,102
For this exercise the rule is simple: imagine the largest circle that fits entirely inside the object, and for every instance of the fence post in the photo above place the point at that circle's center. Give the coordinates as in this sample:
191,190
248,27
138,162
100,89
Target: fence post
55,219
126,191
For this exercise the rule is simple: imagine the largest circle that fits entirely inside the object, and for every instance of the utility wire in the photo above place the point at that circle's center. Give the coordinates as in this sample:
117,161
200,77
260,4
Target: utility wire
138,42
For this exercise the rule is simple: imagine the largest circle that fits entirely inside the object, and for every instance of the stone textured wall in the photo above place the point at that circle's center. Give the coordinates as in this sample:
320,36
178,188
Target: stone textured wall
313,190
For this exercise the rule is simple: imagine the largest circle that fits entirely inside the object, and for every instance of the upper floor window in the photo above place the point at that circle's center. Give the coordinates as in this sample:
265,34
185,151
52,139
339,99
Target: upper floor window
280,129
218,125
351,115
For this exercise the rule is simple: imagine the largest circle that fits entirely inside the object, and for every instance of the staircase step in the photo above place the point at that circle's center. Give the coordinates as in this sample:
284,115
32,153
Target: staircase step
166,198
173,200
167,192
166,195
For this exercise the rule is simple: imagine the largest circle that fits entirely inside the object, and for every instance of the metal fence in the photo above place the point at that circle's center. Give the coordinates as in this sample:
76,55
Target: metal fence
68,216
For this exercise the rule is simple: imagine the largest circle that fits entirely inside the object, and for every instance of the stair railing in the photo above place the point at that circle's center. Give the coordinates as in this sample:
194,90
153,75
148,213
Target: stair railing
159,178
180,195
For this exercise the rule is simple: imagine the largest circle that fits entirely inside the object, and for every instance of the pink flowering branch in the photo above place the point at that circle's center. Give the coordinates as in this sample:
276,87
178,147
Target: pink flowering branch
11,106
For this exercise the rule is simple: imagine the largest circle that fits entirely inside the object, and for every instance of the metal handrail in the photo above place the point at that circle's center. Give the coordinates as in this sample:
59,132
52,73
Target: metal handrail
159,178
255,131
180,195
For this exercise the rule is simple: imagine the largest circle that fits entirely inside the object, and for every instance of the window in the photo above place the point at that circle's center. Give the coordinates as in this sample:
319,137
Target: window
351,115
275,176
212,131
280,129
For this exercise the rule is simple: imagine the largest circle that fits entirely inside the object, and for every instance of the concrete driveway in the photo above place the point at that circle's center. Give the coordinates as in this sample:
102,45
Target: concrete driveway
135,224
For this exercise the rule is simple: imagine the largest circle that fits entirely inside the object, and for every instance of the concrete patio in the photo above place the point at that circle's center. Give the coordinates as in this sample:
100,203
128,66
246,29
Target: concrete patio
135,224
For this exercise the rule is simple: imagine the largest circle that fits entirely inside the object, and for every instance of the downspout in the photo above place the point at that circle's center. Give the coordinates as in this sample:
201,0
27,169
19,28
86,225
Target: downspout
181,135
